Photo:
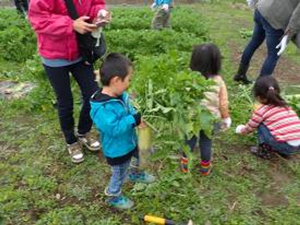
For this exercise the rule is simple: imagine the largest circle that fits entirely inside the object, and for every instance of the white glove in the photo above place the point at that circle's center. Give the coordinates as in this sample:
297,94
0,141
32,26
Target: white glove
251,3
102,13
153,6
282,45
165,7
239,129
227,121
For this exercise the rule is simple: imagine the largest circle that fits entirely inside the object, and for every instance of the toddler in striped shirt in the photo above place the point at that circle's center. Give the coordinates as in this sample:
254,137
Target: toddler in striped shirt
277,124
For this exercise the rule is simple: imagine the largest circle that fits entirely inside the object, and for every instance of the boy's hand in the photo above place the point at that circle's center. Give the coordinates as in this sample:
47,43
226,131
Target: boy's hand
143,124
152,7
165,7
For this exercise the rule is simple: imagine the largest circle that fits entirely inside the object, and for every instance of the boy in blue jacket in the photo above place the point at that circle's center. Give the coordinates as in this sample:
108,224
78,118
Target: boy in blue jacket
162,17
116,120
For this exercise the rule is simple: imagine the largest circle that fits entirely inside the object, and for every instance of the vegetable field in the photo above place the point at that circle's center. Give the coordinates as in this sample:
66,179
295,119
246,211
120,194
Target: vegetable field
40,185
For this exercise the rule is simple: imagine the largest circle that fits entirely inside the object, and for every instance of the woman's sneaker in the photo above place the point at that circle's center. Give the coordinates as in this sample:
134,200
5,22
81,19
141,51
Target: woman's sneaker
141,177
75,152
88,141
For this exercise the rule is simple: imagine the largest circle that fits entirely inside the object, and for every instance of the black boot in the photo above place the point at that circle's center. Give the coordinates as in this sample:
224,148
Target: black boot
241,74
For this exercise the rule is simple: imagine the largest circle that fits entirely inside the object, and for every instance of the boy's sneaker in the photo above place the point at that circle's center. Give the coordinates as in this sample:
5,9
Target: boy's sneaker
141,177
75,152
88,141
184,164
120,202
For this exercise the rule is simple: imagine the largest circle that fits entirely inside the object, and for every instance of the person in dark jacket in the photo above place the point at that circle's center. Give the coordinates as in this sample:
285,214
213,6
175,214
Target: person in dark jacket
277,22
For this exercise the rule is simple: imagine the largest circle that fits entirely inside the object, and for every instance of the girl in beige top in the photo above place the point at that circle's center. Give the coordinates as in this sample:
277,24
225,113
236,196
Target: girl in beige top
206,59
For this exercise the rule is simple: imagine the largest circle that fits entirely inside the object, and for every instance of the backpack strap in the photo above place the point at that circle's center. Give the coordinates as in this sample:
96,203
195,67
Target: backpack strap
71,9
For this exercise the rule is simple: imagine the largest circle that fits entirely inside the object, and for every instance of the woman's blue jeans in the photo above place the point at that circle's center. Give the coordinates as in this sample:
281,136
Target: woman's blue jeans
265,137
263,30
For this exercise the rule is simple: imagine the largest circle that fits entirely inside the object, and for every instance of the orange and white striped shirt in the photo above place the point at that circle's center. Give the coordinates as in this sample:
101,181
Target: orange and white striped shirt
216,100
282,122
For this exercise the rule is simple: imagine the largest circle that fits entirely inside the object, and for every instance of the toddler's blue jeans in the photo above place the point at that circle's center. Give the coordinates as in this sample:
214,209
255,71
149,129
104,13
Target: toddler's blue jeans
120,172
264,136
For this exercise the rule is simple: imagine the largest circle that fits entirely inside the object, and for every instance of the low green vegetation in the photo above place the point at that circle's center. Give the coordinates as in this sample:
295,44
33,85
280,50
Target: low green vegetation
40,185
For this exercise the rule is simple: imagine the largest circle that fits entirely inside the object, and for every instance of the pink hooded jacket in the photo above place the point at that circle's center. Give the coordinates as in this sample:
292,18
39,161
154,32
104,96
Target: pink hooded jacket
54,28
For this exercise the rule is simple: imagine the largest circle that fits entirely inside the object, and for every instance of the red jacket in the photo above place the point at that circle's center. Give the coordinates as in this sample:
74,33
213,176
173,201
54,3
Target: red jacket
54,28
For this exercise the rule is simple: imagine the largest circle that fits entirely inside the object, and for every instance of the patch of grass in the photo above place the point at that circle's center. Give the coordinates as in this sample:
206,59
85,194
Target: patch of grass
40,185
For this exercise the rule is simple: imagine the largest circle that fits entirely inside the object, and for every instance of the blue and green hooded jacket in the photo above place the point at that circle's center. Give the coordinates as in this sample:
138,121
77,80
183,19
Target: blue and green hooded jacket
161,2
115,119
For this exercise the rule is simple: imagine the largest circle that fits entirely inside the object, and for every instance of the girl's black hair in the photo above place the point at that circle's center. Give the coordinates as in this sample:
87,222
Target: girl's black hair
267,89
206,59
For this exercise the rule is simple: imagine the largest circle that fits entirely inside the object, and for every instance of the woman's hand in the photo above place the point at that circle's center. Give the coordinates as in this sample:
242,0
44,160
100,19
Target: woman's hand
103,18
82,27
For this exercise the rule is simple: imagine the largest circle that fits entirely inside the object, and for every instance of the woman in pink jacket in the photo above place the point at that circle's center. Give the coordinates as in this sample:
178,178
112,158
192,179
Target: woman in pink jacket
58,48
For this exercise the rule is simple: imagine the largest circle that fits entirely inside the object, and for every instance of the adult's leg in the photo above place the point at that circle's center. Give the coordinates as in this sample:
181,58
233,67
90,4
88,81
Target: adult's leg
273,38
158,20
167,23
60,80
18,6
25,5
85,77
256,40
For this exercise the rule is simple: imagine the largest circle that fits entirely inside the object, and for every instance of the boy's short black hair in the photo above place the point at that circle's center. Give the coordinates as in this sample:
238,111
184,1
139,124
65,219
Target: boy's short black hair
206,59
114,65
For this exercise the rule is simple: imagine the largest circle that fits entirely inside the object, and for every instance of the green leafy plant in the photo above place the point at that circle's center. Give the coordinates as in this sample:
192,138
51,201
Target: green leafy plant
168,93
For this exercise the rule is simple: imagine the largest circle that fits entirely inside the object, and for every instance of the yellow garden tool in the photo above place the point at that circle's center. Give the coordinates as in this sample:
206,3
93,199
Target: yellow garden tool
163,221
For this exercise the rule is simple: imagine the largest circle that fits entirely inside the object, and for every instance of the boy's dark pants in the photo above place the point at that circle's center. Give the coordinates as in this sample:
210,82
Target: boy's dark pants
265,137
60,80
